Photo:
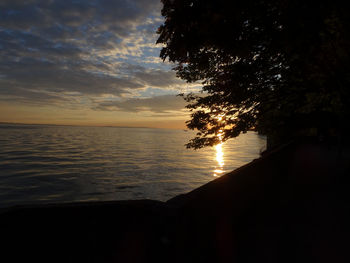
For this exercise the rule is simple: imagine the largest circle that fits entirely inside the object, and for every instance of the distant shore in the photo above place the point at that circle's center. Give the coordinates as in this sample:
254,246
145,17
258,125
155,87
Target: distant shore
70,125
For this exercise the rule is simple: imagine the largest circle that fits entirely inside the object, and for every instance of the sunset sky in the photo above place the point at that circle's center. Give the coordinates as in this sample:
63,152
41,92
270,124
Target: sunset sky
87,62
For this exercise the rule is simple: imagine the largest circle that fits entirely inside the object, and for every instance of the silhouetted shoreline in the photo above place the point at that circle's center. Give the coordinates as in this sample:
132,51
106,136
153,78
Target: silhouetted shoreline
290,205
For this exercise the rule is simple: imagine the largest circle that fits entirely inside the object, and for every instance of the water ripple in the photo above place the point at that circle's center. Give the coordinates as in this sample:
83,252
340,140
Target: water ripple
40,164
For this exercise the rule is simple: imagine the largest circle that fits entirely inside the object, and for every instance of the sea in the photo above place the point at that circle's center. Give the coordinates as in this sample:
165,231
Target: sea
42,164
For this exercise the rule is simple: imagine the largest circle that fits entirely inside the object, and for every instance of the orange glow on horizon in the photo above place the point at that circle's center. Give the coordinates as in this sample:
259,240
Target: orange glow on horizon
51,115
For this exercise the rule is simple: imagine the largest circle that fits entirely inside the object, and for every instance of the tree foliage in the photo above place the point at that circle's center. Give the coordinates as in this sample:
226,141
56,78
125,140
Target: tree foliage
263,64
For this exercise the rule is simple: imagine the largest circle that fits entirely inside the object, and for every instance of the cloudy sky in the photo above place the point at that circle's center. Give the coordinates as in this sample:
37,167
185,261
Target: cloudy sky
86,62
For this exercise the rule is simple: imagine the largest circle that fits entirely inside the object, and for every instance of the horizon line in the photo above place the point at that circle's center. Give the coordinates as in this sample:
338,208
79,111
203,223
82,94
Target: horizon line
87,125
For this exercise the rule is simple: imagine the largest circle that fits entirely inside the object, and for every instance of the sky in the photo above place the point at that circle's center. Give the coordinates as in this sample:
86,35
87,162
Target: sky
86,62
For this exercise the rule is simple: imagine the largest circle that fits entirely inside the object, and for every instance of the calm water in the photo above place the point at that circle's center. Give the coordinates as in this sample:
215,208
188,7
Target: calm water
44,164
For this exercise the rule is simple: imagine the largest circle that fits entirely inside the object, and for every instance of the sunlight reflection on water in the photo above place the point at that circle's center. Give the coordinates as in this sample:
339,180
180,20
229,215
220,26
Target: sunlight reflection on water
220,160
219,170
63,164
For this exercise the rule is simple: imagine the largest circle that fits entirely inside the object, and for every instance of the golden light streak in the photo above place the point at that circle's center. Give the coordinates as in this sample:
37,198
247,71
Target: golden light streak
219,157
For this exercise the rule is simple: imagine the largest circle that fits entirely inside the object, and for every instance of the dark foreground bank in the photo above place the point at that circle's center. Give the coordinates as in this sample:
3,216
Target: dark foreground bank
291,205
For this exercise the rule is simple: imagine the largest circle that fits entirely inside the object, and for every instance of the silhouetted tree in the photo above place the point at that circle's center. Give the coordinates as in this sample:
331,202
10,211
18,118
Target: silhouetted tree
273,66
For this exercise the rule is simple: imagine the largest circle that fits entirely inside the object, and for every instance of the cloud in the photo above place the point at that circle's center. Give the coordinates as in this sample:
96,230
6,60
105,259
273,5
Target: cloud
160,104
158,78
34,97
48,76
87,15
89,47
